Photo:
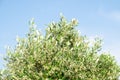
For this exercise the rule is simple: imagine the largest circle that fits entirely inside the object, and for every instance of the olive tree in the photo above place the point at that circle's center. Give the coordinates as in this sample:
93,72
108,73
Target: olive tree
62,54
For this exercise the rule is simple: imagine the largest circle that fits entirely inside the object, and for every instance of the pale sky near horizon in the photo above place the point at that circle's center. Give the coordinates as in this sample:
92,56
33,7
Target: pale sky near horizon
96,17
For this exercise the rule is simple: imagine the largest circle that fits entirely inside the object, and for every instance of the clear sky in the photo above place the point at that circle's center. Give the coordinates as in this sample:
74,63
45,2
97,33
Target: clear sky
96,17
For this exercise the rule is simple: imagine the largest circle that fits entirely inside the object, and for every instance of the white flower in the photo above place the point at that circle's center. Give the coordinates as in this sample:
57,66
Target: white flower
74,21
79,32
77,44
35,39
91,42
37,32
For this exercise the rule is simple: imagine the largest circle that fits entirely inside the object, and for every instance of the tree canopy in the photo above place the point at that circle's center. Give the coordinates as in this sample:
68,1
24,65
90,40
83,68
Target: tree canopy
62,54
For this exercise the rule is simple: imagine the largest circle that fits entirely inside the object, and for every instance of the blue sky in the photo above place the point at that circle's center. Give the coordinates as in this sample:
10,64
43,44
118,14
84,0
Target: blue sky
96,17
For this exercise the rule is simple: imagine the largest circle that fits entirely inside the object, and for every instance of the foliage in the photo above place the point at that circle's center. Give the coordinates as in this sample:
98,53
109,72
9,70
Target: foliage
62,54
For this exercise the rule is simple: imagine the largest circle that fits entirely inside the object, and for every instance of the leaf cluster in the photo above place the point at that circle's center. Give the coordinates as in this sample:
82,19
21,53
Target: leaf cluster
62,54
